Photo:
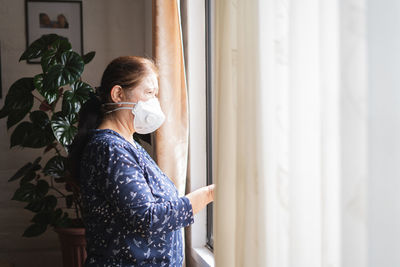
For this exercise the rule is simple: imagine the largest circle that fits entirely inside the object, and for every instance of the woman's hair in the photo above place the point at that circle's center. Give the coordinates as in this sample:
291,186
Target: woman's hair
127,72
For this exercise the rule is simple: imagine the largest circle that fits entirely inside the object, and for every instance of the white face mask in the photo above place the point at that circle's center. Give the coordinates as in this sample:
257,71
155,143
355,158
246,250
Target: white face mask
148,115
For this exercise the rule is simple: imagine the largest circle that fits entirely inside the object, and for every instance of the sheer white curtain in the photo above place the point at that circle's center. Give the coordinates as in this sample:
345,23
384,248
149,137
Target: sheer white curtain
290,133
240,157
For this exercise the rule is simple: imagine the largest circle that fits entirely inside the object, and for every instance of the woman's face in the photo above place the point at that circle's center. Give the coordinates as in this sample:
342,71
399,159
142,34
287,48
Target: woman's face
146,90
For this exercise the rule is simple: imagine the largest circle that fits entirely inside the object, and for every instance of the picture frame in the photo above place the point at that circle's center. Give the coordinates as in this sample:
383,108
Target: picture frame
63,18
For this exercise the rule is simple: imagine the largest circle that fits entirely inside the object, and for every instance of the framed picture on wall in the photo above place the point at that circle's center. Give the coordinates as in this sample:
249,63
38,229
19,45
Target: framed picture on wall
60,17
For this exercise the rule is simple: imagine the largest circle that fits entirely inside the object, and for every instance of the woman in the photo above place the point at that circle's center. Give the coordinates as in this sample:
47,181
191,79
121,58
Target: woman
132,210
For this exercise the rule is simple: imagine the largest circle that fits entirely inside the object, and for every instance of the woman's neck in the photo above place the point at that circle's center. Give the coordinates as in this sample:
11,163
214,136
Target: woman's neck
119,128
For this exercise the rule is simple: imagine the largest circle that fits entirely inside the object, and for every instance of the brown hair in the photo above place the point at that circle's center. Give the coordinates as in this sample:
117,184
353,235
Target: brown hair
126,71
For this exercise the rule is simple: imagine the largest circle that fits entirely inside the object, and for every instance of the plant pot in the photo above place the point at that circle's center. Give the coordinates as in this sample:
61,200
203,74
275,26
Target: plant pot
73,246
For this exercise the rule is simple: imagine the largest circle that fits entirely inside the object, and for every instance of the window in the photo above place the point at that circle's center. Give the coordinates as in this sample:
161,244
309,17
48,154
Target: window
198,55
209,90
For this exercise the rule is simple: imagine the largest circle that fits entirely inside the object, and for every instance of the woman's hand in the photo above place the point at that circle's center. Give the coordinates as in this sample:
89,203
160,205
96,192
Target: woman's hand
211,188
201,197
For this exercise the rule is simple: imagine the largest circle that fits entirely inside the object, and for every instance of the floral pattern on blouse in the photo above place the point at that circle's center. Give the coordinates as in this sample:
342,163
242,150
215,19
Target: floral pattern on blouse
132,212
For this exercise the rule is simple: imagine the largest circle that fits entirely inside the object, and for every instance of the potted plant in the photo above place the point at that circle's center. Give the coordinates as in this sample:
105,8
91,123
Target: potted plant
43,184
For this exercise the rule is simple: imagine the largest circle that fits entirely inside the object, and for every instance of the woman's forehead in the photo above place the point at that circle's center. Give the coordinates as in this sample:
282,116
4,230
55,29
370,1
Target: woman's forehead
152,79
149,82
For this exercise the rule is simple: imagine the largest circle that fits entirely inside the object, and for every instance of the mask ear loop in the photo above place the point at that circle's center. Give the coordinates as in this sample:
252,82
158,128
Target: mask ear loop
122,103
119,103
118,109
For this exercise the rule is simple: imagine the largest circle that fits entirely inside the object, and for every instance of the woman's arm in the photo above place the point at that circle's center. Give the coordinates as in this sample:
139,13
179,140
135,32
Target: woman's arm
126,188
201,197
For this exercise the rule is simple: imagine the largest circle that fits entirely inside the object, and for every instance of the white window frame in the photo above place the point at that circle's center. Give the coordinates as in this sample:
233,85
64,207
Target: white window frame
196,81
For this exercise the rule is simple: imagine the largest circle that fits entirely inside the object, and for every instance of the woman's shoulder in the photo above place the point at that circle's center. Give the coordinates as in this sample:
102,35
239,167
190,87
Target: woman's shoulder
106,139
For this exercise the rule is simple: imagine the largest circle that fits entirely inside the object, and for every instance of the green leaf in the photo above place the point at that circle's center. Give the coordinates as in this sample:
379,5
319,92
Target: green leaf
48,60
88,57
55,167
49,203
4,111
34,135
26,169
28,192
63,127
35,230
42,188
43,217
67,72
22,171
74,98
40,134
60,219
18,102
21,134
34,205
53,55
38,138
28,177
57,219
50,94
38,82
46,203
38,47
60,45
25,193
40,118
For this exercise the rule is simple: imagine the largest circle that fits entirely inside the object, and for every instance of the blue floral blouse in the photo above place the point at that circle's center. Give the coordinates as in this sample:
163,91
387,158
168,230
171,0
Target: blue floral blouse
131,209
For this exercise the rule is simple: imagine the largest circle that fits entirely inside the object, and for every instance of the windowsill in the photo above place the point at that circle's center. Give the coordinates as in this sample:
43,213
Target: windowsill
203,257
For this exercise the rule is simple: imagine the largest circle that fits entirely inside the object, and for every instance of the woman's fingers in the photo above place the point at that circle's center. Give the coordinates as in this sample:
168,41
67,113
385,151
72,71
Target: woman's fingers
211,188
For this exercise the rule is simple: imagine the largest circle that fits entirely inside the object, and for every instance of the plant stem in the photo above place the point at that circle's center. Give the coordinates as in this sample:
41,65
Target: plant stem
57,150
54,188
76,209
78,206
37,98
42,102
78,202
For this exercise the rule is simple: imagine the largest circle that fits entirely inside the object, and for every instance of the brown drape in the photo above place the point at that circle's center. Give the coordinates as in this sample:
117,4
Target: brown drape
171,140
171,145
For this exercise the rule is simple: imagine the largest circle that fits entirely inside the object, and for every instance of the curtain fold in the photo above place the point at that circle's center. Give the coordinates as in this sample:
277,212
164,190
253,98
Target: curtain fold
171,140
239,212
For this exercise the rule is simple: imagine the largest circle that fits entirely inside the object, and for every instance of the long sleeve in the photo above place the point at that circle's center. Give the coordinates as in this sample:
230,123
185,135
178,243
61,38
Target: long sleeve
126,187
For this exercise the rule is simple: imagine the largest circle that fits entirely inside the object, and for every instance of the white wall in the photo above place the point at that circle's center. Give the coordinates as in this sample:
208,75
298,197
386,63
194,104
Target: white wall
384,133
111,28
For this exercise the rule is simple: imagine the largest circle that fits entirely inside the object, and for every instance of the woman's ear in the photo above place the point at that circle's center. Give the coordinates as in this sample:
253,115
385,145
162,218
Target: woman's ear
117,94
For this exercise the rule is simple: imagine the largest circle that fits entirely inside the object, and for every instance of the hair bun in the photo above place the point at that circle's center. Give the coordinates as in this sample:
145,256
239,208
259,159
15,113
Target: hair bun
94,97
